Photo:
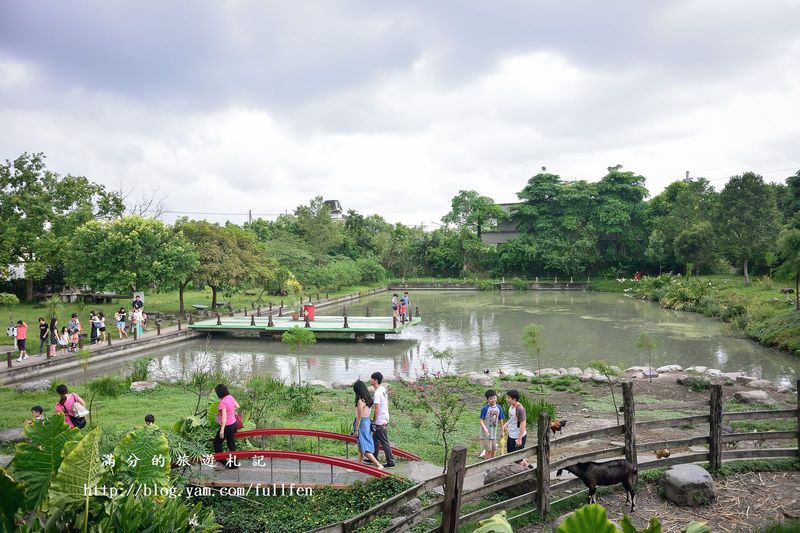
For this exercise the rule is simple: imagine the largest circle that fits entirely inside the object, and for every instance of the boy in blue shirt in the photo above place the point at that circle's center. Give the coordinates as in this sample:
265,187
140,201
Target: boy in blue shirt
491,414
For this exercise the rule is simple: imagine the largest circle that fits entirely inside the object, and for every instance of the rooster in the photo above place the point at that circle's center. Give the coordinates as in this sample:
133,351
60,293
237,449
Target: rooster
663,453
556,426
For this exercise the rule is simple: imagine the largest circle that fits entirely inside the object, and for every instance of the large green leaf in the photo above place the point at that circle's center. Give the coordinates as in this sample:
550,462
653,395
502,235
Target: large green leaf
79,473
12,496
174,515
143,444
36,462
588,519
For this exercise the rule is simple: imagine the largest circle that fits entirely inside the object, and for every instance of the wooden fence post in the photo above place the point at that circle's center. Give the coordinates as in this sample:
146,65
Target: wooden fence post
179,324
543,465
158,326
715,427
453,485
8,359
798,416
629,412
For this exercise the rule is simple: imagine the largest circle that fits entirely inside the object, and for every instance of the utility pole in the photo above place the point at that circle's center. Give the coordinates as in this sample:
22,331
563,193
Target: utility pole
250,215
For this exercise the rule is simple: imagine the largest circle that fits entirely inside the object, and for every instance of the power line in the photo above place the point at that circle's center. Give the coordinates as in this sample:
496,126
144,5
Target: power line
248,214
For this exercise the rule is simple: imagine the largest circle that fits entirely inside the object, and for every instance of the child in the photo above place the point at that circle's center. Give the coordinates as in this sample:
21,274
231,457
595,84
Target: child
402,310
22,334
516,425
63,340
102,320
74,339
149,420
491,414
37,415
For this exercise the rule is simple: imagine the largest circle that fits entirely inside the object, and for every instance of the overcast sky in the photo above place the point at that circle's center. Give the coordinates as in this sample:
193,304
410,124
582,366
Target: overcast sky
393,107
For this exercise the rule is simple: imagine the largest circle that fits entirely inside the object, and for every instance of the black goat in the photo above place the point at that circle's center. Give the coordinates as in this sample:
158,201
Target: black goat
603,474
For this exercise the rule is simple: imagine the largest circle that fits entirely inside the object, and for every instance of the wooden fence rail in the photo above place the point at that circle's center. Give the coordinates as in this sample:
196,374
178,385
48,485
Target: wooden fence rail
452,480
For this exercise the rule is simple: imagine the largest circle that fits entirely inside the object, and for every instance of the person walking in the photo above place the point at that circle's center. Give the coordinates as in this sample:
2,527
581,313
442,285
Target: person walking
395,305
101,325
64,340
136,322
119,318
44,331
407,302
362,426
516,425
380,417
94,323
22,335
52,338
226,418
74,328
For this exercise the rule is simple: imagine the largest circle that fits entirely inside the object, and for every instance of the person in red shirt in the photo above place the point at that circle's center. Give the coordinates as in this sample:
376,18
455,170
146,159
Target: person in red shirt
22,335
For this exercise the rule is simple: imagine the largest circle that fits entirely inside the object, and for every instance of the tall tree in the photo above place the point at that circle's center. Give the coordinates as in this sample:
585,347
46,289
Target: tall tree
129,254
471,210
789,248
316,227
41,210
746,220
694,247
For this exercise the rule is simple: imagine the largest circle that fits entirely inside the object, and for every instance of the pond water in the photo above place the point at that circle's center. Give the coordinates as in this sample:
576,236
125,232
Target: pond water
483,329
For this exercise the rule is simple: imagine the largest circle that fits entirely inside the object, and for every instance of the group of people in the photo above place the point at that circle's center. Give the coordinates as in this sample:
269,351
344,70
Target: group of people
371,422
66,339
74,409
492,426
401,307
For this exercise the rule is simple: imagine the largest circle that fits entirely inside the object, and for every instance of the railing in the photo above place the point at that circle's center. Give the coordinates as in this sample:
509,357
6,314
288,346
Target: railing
319,434
451,481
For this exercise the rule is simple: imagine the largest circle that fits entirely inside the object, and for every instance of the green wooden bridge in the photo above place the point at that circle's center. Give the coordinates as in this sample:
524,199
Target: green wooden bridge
357,326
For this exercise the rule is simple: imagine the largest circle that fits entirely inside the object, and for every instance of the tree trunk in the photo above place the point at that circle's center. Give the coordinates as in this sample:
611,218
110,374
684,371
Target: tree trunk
213,298
29,289
746,273
797,291
181,310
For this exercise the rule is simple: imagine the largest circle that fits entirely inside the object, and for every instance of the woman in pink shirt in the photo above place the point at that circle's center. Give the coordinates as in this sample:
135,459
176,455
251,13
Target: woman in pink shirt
68,399
226,418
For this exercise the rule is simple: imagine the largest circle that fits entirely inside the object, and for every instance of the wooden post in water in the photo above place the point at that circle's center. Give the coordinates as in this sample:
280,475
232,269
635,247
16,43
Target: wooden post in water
453,486
629,412
715,428
368,311
252,320
270,323
245,311
307,324
416,312
191,320
280,311
219,320
543,465
346,325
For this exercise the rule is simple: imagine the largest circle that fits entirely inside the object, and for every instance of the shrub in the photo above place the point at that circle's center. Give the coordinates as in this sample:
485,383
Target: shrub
300,399
140,369
486,285
519,284
696,383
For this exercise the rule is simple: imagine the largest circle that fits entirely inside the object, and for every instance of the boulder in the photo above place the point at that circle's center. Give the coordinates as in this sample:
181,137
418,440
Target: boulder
752,396
548,372
697,369
485,380
688,485
587,376
667,369
12,435
341,385
574,371
320,383
759,384
744,380
5,460
526,373
35,386
713,372
733,376
647,373
410,507
502,472
562,370
599,378
785,388
635,369
396,521
139,386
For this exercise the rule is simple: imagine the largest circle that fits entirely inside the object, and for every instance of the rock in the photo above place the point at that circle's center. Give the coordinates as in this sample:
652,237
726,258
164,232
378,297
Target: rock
475,378
587,376
320,383
526,373
713,372
35,386
785,388
597,378
139,386
410,507
688,485
616,369
696,383
647,373
502,472
752,396
744,380
548,372
341,385
5,460
635,369
574,371
12,435
562,371
697,369
733,376
667,369
759,384
396,521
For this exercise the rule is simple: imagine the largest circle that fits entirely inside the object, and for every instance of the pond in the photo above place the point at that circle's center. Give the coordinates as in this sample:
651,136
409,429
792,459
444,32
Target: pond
483,329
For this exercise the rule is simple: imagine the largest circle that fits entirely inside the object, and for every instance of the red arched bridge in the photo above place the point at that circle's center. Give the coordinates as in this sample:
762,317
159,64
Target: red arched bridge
302,468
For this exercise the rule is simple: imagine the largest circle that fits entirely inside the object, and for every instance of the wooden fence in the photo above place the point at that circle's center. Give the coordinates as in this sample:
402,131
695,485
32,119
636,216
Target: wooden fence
451,483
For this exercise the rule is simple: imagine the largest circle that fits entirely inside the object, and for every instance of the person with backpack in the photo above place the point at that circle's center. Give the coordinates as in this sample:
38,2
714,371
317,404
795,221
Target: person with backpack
74,416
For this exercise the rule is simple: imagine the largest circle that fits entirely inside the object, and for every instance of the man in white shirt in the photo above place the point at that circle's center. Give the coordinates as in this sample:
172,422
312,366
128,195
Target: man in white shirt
380,417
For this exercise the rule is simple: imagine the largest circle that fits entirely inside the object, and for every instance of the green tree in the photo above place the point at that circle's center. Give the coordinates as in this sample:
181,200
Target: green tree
316,227
789,249
746,220
609,372
470,210
694,247
443,399
532,341
7,300
129,253
41,209
298,338
646,342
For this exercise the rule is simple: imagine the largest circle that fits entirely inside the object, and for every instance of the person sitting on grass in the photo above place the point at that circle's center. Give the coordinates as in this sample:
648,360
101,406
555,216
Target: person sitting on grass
362,426
37,415
491,415
149,420
515,425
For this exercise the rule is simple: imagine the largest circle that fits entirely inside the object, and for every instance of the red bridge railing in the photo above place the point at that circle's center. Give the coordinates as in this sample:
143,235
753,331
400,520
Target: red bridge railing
320,434
303,456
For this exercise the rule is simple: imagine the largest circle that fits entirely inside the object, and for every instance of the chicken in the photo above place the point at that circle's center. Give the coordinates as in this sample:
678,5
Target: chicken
556,426
662,454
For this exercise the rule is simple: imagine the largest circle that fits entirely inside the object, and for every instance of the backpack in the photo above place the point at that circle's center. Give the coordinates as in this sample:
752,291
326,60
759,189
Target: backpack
77,421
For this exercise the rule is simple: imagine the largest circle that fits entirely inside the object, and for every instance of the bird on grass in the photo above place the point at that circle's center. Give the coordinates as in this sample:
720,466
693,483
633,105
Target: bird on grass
556,426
